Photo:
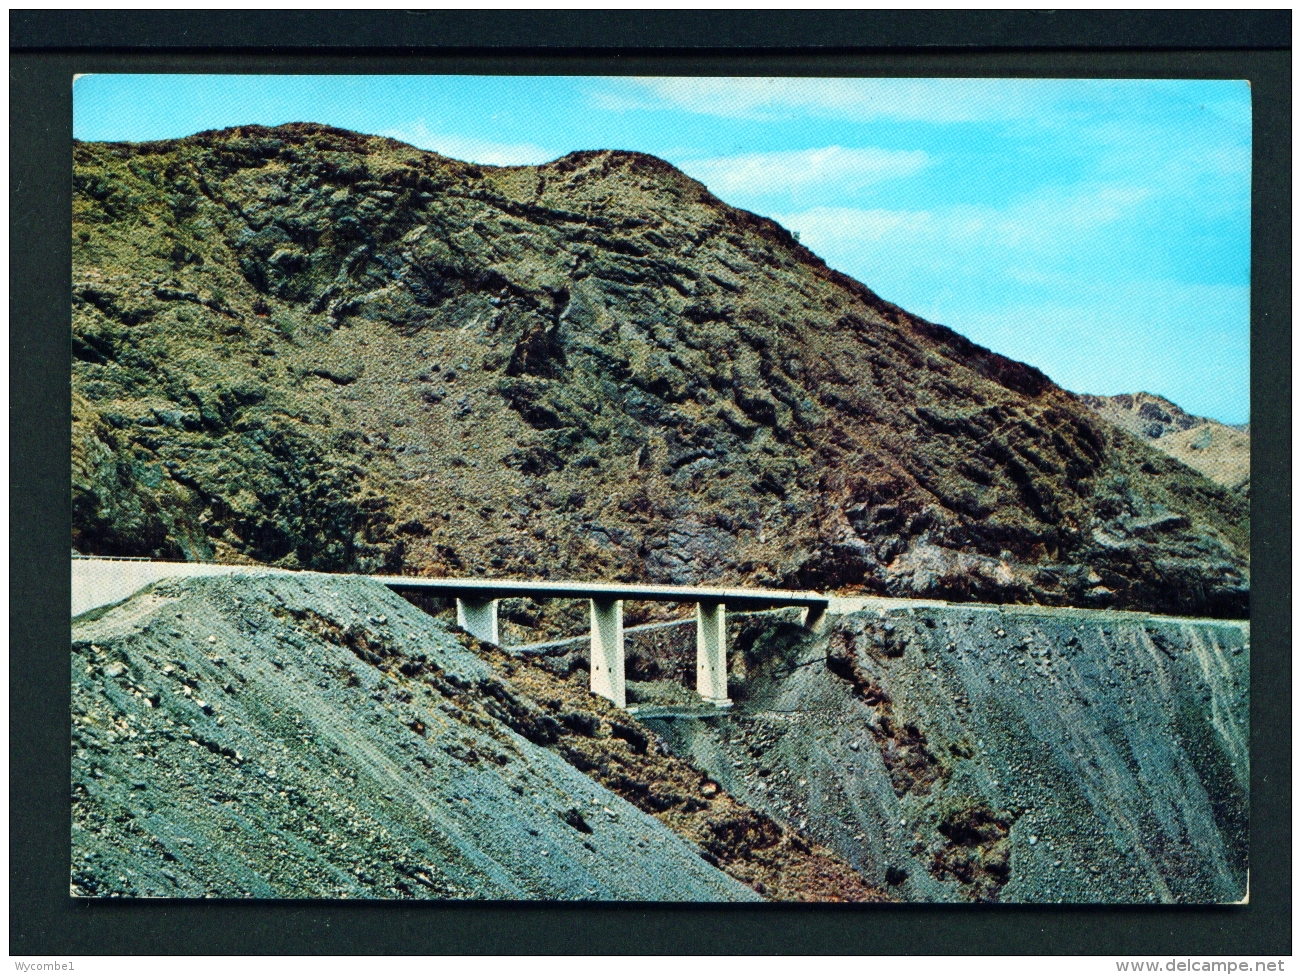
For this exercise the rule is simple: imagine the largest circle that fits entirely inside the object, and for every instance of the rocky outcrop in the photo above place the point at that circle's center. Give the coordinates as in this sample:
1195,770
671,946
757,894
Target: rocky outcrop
1220,451
308,347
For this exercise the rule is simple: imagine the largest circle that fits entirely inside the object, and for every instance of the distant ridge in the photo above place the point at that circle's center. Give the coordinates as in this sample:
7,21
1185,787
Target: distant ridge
1221,451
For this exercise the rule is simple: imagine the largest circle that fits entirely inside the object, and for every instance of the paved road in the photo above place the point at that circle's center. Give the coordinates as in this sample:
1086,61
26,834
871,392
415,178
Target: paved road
101,582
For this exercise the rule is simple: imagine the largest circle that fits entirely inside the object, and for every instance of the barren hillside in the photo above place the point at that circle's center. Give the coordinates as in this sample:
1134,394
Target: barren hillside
318,736
309,347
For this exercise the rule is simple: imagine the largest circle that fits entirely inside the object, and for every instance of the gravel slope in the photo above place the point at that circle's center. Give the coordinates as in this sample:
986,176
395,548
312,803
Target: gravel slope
1017,755
295,737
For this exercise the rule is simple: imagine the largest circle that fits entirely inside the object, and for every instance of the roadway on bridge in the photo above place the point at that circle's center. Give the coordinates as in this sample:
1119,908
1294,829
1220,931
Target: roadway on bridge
101,581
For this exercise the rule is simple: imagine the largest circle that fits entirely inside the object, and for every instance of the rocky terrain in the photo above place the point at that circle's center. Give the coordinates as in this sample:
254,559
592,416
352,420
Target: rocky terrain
311,348
317,736
1016,755
1217,450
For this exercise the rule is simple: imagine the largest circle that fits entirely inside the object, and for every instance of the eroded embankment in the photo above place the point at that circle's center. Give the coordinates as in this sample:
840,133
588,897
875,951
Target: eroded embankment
317,736
1015,755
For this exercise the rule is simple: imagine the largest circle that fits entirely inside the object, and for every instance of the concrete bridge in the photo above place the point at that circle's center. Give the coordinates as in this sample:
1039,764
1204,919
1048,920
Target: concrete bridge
100,582
476,612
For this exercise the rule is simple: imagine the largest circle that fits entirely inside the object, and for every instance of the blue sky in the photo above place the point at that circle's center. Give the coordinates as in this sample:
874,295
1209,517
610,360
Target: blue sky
1099,230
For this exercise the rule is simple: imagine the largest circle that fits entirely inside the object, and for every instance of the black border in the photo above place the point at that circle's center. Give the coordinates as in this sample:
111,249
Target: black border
47,47
586,31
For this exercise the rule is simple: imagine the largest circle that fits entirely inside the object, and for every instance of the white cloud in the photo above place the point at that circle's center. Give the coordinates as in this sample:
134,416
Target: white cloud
927,99
845,225
832,169
469,149
1038,281
1040,226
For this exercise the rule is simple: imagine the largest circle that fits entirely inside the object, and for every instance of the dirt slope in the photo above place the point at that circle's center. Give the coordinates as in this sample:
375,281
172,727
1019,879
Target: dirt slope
318,736
1217,450
309,347
1020,756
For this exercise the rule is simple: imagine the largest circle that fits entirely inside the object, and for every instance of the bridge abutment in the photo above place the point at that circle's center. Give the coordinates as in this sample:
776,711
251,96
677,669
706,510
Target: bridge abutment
711,652
478,617
607,650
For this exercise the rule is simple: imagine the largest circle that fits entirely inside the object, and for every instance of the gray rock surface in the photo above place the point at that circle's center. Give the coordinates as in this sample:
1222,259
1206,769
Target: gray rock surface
1016,755
232,737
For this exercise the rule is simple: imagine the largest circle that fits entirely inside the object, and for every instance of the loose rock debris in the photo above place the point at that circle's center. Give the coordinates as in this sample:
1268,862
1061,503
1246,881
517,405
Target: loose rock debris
320,737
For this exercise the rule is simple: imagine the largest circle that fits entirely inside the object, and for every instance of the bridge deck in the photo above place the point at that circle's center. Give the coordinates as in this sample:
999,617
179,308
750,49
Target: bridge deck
547,589
100,582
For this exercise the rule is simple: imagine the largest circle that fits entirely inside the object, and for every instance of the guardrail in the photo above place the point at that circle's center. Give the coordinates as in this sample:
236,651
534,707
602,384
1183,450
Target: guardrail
113,558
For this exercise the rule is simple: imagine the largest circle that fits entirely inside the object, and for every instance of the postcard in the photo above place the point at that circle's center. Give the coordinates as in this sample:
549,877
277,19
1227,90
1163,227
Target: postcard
660,489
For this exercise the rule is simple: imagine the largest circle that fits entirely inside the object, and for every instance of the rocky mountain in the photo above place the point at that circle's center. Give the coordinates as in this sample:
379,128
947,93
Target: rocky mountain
1220,451
314,348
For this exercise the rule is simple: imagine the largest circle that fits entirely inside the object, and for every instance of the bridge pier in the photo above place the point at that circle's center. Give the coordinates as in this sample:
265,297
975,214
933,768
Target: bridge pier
478,617
711,652
607,650
814,618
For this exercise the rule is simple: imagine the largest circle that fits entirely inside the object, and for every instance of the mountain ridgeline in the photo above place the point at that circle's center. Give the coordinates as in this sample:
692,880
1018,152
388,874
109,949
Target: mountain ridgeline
313,348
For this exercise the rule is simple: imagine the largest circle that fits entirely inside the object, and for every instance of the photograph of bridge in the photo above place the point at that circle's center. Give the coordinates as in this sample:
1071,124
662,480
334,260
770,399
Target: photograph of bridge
561,488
